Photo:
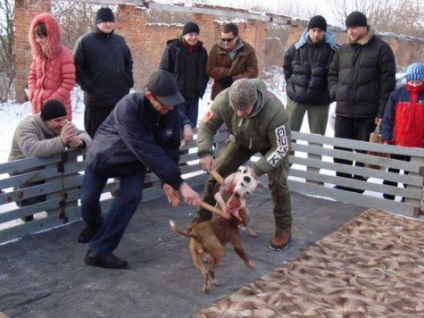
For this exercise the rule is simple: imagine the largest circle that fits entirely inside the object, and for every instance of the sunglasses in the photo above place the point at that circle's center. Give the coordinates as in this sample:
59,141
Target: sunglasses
227,39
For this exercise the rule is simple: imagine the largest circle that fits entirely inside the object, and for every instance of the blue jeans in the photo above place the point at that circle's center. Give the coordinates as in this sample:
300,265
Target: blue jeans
190,108
112,226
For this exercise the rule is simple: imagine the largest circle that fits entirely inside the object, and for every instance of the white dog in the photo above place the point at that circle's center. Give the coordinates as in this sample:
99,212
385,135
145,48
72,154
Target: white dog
231,194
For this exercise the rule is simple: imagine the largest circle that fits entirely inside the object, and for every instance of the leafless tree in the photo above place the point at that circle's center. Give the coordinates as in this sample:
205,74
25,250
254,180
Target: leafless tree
7,56
402,17
75,17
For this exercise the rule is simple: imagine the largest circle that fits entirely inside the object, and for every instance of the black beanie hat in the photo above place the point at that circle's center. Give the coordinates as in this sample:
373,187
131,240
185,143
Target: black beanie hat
356,19
319,22
52,109
190,27
104,15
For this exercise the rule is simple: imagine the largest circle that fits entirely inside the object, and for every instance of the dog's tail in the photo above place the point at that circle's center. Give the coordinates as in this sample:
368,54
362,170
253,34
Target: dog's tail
181,232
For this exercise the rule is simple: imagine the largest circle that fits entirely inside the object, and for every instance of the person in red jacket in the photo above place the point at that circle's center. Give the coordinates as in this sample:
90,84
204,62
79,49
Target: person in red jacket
52,73
403,121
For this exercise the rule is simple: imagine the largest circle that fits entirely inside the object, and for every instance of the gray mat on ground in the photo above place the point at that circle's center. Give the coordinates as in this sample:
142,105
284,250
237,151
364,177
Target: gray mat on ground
43,275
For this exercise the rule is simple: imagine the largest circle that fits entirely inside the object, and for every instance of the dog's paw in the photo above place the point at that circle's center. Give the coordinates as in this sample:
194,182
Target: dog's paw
250,265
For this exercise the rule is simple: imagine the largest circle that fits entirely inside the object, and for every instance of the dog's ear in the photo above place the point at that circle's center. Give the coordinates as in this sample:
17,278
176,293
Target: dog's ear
243,169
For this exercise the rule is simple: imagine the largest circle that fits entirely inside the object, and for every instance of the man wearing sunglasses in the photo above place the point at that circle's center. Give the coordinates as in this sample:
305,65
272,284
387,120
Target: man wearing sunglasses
230,59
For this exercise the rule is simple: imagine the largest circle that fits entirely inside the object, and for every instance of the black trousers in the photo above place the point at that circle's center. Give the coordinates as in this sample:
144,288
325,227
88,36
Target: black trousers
356,129
94,117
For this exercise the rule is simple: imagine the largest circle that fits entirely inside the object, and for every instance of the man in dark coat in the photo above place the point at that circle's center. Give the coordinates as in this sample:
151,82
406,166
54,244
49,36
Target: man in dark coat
143,131
305,71
185,58
361,78
104,69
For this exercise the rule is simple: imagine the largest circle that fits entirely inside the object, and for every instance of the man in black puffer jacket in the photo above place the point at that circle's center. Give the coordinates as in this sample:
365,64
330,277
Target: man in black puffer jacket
361,78
104,69
305,71
185,58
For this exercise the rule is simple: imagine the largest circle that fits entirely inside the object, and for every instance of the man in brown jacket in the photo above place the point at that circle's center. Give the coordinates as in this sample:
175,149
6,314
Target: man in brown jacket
230,59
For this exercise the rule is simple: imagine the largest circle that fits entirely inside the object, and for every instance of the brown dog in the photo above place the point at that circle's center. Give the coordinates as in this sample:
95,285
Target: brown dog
211,237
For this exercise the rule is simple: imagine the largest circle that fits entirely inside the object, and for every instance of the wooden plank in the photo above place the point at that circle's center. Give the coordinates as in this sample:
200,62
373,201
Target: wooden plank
32,176
29,163
353,198
355,144
16,212
411,179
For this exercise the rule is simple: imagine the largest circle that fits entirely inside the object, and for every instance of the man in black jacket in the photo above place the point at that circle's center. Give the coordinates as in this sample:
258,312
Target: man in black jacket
361,78
103,65
185,58
305,71
143,131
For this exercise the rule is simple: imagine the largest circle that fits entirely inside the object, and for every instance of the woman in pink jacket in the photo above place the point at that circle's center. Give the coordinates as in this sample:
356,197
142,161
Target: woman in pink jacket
52,73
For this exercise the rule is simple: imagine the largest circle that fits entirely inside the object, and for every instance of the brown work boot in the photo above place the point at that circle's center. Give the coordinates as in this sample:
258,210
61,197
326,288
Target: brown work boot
280,240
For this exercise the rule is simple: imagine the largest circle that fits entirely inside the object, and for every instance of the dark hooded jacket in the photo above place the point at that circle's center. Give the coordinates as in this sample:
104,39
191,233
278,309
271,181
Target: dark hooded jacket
188,68
136,136
362,76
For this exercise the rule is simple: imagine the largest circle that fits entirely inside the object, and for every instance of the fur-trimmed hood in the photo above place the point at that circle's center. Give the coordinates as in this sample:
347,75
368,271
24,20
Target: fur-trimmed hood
54,34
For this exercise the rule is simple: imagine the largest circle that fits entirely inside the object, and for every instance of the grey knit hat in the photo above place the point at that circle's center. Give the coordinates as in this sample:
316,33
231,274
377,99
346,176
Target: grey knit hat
243,93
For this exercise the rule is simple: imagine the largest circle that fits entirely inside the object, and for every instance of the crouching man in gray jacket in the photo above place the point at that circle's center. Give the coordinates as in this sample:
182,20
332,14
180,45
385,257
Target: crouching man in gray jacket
44,135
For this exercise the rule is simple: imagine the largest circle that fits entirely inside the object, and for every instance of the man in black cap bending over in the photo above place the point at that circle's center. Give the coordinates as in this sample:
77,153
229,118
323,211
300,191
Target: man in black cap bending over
143,131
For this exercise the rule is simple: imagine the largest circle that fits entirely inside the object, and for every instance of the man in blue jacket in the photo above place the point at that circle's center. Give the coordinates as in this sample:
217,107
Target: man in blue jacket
143,131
